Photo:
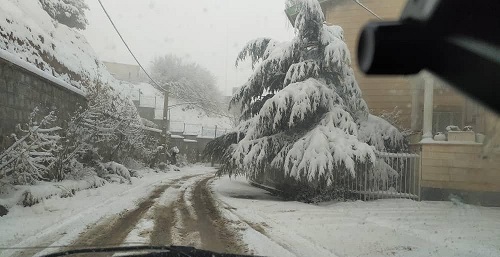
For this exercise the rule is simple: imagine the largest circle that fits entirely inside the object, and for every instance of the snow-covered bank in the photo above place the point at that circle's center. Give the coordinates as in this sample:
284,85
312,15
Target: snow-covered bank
59,221
378,228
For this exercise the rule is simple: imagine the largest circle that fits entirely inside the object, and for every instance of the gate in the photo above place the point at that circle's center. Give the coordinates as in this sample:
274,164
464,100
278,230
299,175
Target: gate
393,175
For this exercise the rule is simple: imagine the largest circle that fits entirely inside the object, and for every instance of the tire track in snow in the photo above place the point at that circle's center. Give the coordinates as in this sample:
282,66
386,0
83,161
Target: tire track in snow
115,230
53,234
194,220
298,246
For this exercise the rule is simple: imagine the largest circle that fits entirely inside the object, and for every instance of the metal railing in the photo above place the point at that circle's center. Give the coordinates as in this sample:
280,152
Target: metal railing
197,129
393,175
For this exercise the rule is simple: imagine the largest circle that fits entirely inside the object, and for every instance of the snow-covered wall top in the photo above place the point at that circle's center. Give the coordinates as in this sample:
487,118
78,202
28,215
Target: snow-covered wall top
28,32
33,69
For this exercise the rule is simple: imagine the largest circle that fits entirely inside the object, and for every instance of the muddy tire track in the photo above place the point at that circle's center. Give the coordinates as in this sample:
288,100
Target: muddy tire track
196,222
213,227
164,221
114,230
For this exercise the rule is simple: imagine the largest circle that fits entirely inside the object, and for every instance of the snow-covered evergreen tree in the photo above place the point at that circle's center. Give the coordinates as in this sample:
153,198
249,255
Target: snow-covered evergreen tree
303,107
68,12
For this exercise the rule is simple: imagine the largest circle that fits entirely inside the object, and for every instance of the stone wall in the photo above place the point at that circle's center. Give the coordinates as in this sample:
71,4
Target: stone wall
21,90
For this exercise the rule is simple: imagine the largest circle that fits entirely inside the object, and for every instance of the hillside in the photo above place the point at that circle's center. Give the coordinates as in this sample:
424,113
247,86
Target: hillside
27,31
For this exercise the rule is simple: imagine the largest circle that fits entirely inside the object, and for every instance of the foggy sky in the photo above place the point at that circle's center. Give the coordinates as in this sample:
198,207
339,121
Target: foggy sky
209,32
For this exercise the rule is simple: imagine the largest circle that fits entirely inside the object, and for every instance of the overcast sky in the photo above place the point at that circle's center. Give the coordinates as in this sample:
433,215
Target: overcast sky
209,32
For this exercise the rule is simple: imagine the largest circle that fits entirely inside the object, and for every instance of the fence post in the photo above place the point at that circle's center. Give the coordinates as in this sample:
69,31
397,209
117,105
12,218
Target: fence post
366,180
215,131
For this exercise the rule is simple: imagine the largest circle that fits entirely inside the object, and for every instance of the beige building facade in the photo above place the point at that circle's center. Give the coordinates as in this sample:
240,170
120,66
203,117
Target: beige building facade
126,72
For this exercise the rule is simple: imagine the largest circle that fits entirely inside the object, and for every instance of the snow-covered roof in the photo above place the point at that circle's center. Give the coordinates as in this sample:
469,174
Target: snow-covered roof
190,141
33,69
177,136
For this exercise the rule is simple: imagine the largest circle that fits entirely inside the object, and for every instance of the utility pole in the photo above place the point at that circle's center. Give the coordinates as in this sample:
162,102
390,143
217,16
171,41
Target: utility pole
166,122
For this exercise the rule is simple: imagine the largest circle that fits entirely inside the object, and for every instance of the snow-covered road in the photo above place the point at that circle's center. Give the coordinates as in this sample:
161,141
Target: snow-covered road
161,209
190,207
378,228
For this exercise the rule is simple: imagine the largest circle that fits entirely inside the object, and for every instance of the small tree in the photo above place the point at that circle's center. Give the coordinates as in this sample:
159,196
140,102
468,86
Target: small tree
32,156
109,129
68,12
302,107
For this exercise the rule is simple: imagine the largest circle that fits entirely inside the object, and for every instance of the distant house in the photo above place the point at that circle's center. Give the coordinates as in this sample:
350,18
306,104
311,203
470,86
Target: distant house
462,164
126,72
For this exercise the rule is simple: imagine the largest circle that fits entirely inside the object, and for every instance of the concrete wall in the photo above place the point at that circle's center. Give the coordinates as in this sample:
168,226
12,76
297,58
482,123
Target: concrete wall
22,90
461,169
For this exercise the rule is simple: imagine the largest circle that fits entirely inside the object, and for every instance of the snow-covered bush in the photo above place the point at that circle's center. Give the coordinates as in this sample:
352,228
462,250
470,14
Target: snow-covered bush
303,109
32,156
68,12
182,160
114,172
133,164
394,117
163,166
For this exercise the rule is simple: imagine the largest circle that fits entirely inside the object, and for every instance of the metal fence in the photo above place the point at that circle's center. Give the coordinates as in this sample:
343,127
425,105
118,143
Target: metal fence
393,175
197,129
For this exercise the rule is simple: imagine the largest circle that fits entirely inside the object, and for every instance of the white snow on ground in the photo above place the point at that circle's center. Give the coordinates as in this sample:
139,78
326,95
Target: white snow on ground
64,219
377,228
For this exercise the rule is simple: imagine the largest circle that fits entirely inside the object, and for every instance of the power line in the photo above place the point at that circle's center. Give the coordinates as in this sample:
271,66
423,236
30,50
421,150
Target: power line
129,50
366,8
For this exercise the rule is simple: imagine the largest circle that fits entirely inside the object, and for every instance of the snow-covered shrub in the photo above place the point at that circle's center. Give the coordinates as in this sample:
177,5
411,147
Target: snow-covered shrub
32,156
28,199
395,119
182,160
77,171
133,164
115,172
68,12
163,166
